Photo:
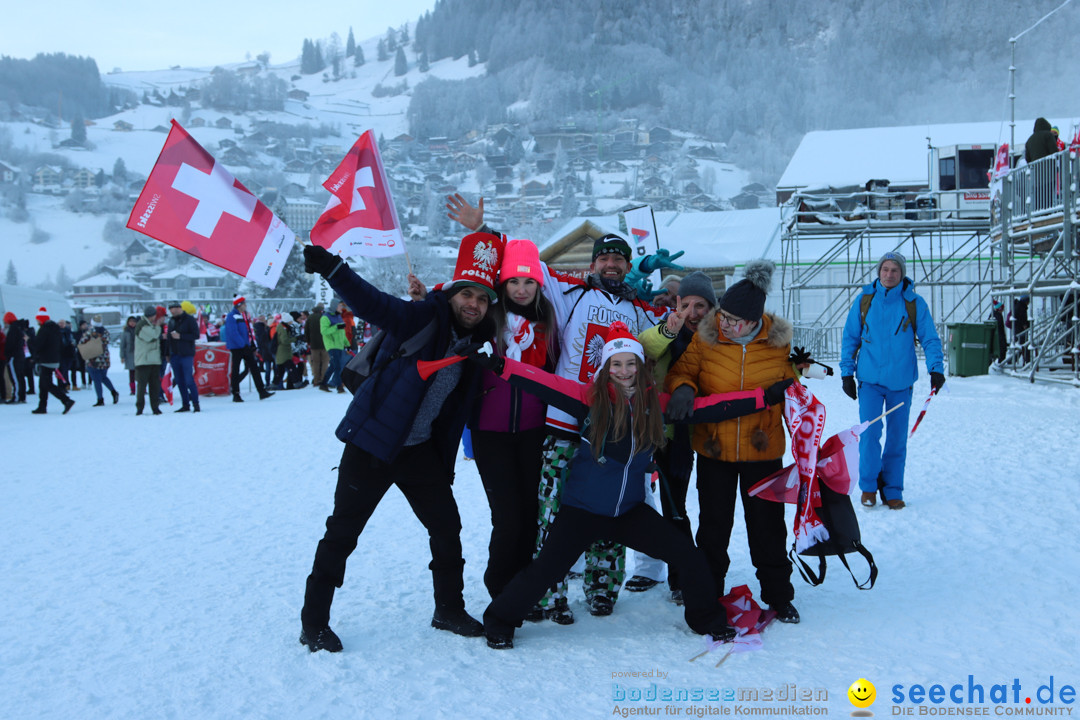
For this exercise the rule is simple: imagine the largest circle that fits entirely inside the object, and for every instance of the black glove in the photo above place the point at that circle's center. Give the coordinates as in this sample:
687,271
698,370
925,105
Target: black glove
681,404
800,356
774,394
319,260
936,381
484,355
849,387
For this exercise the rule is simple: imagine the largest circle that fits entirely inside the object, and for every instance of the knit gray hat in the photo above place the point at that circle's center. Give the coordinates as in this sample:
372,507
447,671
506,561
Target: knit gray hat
149,311
896,258
698,283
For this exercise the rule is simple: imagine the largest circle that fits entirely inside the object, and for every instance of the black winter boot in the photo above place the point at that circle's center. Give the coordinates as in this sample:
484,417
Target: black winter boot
786,613
456,621
320,639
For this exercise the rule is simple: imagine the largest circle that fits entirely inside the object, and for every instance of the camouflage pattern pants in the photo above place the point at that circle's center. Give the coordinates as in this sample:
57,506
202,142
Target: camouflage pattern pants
605,561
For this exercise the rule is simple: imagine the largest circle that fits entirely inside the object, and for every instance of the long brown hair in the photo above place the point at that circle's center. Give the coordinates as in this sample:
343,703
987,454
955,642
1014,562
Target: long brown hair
606,415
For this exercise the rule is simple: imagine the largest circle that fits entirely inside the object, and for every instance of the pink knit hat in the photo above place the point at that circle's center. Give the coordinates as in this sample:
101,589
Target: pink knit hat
521,259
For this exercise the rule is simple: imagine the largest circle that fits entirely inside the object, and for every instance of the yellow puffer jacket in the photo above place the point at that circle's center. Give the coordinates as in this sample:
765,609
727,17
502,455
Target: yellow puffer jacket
714,364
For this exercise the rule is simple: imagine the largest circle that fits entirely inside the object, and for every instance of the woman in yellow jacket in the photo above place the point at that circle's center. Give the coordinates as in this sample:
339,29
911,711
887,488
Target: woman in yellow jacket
739,347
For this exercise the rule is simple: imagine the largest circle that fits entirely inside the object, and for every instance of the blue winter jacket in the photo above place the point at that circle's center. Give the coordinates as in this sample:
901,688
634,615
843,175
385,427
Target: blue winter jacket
881,350
236,330
385,405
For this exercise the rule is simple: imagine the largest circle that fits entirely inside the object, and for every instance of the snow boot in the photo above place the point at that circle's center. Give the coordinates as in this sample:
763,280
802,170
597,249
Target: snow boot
895,504
184,408
68,404
99,403
115,397
456,621
536,614
601,606
38,411
320,639
560,613
195,406
724,634
498,640
640,583
236,397
869,499
786,613
265,394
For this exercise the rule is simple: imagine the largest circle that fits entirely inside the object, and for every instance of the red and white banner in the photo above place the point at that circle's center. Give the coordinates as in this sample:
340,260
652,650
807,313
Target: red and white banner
167,383
360,219
805,417
641,225
212,367
837,467
191,202
1001,162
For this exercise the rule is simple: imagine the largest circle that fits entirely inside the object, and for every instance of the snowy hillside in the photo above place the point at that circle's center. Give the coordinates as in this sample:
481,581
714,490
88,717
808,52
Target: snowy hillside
154,567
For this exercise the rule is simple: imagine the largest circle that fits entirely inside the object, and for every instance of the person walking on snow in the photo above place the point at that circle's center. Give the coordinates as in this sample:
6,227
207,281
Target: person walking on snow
240,341
48,346
402,430
878,350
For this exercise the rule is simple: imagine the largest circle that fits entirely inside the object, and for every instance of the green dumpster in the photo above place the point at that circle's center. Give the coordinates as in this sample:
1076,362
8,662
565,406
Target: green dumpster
969,348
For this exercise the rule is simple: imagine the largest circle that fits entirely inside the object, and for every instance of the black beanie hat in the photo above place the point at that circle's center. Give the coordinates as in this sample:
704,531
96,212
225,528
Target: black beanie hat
611,243
746,298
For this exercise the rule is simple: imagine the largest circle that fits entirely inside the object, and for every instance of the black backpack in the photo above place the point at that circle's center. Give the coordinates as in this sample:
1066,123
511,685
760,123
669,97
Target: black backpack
838,517
361,366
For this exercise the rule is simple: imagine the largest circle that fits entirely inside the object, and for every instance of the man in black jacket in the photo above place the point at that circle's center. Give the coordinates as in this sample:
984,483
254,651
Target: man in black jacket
403,430
15,351
48,345
182,332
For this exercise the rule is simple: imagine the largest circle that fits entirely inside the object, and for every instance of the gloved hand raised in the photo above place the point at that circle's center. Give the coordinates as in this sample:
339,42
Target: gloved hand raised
775,393
320,260
849,387
936,381
660,259
483,354
681,403
800,356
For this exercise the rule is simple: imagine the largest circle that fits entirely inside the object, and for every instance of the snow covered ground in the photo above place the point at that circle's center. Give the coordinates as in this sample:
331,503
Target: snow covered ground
154,567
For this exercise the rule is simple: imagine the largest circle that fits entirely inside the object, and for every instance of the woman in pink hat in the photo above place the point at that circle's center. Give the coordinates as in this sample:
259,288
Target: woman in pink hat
508,424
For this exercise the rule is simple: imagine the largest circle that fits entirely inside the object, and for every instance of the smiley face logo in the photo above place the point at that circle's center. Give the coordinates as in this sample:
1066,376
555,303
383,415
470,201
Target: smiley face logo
862,693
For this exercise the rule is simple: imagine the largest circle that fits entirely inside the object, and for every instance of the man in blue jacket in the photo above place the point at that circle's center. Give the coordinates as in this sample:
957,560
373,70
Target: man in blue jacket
240,341
879,347
403,430
183,331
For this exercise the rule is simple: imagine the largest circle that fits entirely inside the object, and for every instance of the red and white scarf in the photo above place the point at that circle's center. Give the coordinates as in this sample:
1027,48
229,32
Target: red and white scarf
805,417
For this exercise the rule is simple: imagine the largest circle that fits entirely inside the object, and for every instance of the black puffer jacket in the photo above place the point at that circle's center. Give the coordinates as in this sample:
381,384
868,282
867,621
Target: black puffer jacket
48,344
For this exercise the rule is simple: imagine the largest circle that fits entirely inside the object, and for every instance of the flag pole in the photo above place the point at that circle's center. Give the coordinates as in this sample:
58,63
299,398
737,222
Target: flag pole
882,415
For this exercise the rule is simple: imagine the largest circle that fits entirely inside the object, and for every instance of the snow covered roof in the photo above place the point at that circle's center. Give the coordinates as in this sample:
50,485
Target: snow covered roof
897,154
191,271
106,278
25,301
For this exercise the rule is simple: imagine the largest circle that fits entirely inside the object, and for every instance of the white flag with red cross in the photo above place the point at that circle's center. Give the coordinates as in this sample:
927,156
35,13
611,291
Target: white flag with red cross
191,202
360,219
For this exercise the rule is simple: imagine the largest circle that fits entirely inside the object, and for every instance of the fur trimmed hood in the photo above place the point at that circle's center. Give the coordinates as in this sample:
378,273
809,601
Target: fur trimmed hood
780,331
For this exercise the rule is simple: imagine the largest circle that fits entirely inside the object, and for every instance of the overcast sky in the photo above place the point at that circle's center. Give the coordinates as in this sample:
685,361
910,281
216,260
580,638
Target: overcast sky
137,35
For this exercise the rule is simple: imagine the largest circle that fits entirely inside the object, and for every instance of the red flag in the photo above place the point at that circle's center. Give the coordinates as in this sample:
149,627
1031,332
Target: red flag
746,617
191,202
360,219
837,467
166,383
1001,162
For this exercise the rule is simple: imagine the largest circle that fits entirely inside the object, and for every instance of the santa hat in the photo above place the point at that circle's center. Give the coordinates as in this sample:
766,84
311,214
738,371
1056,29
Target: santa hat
620,340
9,317
42,316
479,258
521,259
238,299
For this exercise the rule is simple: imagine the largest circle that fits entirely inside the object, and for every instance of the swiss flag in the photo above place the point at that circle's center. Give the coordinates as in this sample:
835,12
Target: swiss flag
1001,162
360,219
194,204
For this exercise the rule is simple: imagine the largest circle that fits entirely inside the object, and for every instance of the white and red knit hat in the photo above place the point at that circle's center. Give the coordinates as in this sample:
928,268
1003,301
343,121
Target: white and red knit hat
620,340
479,258
238,299
42,315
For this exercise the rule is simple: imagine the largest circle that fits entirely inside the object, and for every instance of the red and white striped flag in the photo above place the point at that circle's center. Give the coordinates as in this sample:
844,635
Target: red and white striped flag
360,219
166,383
190,201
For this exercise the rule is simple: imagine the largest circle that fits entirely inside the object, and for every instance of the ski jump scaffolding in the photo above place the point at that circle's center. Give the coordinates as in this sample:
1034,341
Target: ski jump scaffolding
959,260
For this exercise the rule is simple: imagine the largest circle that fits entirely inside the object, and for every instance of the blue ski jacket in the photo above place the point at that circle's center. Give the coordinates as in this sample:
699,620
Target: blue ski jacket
881,349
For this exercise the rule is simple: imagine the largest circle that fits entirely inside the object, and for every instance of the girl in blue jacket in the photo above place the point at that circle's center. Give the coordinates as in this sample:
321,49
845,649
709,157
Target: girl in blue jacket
622,423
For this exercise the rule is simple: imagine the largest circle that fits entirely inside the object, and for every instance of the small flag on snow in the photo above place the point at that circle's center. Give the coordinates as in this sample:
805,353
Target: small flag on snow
360,219
190,201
